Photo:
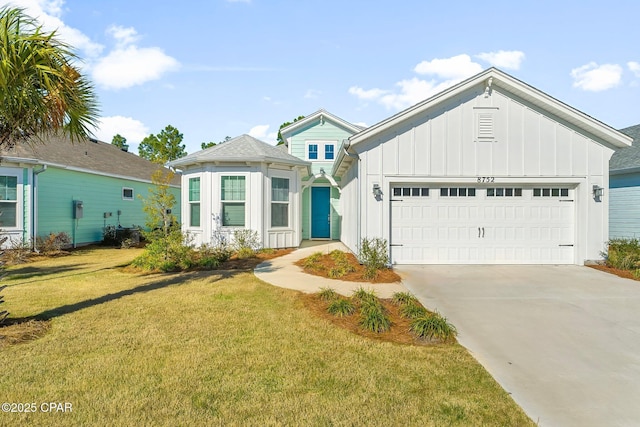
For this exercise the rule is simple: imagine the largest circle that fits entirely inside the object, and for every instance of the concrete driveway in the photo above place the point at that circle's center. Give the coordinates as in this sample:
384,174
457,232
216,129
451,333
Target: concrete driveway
564,341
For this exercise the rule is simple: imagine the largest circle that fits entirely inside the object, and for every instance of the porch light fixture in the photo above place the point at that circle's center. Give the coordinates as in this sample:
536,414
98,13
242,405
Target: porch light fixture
377,191
598,192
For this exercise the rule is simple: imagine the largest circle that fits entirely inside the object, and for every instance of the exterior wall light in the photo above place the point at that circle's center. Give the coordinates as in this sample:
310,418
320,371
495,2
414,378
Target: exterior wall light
598,192
377,191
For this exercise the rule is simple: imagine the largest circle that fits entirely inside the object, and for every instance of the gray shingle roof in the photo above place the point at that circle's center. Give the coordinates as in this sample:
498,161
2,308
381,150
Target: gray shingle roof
90,155
243,148
629,157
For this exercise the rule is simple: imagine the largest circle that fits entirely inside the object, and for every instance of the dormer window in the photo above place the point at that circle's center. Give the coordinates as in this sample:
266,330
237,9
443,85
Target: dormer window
321,151
329,151
313,152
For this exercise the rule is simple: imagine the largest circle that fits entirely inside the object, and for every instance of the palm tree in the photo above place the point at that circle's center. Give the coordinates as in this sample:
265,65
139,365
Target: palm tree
42,92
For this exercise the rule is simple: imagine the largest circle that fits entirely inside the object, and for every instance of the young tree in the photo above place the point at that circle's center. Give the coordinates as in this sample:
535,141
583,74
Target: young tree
41,88
164,147
206,145
285,124
119,141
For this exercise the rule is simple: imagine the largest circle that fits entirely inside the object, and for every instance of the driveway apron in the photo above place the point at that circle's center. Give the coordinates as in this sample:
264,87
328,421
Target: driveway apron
564,341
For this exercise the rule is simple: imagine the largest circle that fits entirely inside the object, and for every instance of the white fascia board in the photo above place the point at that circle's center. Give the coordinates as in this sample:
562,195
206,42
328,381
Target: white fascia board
515,86
314,116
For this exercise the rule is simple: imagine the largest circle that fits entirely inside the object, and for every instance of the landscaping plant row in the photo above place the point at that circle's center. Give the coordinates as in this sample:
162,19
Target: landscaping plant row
375,318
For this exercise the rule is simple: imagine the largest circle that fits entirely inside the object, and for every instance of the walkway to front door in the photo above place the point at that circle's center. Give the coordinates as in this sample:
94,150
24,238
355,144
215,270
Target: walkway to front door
320,213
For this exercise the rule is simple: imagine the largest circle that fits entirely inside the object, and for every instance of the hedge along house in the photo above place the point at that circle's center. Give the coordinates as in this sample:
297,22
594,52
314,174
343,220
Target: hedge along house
624,187
243,183
78,189
317,139
489,171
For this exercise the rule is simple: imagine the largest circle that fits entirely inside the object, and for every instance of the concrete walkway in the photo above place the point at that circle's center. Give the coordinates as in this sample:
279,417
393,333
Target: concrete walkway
282,272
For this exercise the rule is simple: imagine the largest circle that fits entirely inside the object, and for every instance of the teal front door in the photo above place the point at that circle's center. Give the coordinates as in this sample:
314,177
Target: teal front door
320,213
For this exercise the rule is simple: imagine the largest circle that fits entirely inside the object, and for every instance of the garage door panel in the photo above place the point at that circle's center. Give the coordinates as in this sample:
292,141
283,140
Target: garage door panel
482,229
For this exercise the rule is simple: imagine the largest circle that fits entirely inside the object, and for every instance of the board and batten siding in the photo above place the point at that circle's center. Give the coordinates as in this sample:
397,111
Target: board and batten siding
624,205
58,188
530,146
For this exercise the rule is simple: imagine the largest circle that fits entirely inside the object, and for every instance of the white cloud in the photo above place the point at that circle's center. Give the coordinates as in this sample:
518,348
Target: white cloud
367,94
595,78
413,91
124,36
49,15
510,59
129,65
134,130
634,67
455,68
259,131
312,94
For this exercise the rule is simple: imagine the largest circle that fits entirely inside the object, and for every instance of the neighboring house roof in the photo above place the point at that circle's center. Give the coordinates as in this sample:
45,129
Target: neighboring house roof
318,115
90,156
626,159
243,148
514,86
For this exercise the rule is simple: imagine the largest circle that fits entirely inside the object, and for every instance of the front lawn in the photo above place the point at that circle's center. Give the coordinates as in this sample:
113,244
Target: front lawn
218,348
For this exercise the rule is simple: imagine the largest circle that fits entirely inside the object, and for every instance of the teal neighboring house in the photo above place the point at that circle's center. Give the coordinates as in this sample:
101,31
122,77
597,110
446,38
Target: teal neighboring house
317,139
624,188
77,188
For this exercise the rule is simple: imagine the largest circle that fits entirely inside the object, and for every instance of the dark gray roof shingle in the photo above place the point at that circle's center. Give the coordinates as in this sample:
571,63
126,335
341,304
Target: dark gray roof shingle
629,157
90,155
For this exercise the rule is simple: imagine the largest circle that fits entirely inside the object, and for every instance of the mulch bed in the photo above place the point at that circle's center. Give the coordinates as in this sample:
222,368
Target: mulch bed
398,333
326,263
627,274
235,263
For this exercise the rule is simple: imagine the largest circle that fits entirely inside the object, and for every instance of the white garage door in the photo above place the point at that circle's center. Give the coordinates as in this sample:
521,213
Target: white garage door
479,225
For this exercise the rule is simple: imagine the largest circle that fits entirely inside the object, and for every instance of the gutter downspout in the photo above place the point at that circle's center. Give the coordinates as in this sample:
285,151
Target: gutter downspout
34,206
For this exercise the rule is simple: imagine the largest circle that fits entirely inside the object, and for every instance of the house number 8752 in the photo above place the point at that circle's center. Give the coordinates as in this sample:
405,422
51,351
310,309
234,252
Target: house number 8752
486,179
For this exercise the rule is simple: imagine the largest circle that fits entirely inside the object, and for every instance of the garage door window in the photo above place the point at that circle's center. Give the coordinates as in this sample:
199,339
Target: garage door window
457,192
411,192
504,192
550,192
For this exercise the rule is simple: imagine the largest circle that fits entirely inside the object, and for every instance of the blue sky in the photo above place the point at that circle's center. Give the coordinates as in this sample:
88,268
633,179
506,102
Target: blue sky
214,68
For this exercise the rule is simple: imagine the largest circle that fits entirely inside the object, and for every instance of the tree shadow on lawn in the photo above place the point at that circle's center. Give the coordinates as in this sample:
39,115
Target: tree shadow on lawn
29,272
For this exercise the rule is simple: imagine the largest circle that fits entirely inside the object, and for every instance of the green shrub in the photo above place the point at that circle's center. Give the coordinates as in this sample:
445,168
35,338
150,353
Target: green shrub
433,327
362,295
327,294
373,316
341,307
373,253
413,310
168,253
370,273
211,257
623,254
402,298
312,261
336,272
246,242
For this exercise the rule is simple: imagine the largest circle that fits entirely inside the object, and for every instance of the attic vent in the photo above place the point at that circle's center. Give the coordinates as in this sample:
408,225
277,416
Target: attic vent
485,123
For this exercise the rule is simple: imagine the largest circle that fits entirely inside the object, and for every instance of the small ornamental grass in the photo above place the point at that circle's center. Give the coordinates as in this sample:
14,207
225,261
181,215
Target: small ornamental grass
434,327
373,316
327,294
413,311
361,295
312,262
341,307
403,298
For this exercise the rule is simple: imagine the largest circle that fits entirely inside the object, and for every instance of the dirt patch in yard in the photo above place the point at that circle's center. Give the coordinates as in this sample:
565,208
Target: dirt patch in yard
17,331
235,263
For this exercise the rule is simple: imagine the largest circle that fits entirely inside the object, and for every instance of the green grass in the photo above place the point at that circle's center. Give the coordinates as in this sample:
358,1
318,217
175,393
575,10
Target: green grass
219,348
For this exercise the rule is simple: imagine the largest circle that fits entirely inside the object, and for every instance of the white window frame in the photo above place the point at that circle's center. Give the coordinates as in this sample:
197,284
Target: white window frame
222,202
18,201
322,150
133,194
198,202
279,202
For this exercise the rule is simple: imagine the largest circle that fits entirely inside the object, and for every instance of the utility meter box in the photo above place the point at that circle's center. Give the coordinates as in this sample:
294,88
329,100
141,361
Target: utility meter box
78,209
